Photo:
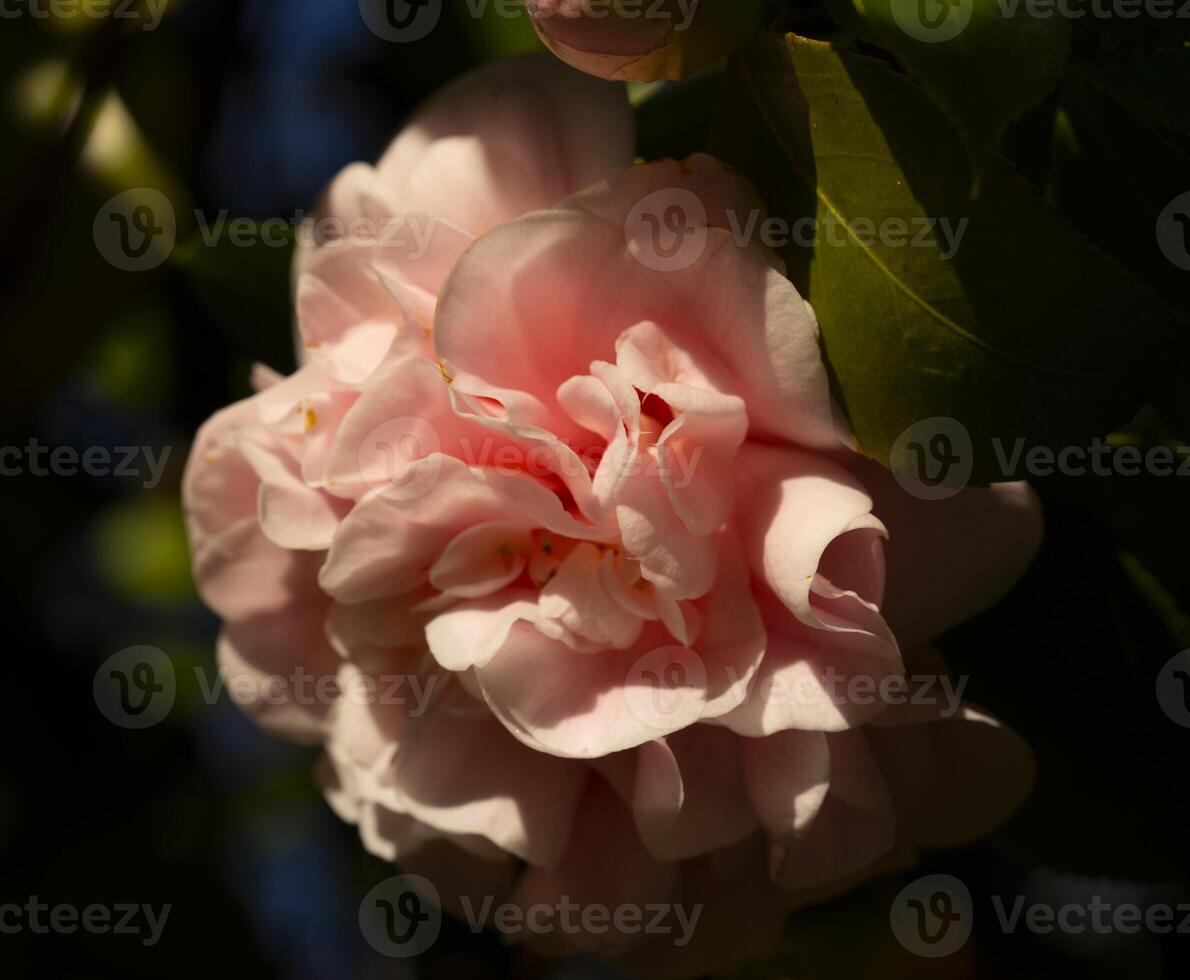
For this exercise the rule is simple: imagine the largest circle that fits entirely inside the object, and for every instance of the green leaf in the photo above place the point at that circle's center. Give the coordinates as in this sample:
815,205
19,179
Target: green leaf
499,30
985,62
1025,331
1113,140
1155,87
1114,175
851,20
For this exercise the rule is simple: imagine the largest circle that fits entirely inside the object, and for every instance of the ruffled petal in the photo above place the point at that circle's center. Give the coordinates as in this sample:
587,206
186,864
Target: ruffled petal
536,301
951,559
689,796
585,706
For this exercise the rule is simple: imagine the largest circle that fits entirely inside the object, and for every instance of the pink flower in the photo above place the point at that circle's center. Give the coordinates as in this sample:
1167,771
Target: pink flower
584,513
644,40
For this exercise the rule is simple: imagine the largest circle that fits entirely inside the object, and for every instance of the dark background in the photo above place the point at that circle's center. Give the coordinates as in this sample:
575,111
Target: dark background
251,107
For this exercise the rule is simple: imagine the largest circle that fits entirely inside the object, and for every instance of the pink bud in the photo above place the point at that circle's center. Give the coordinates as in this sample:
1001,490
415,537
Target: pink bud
644,40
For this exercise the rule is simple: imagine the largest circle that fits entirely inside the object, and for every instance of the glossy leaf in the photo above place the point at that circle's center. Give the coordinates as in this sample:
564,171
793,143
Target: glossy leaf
985,62
993,312
1156,87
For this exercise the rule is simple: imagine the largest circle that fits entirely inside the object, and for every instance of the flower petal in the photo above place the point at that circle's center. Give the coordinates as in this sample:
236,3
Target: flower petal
536,301
512,137
798,505
584,706
951,559
689,796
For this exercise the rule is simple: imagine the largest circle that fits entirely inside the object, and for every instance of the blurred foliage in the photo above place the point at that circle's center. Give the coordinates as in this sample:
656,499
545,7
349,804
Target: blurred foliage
494,34
141,549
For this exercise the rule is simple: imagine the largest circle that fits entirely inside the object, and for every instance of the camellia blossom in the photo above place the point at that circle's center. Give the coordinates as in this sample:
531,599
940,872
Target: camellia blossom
602,515
631,40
